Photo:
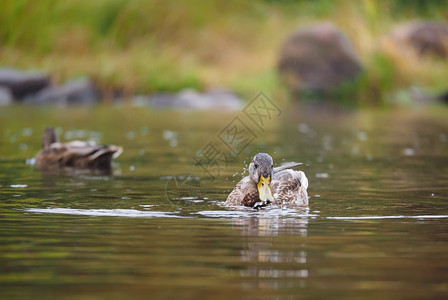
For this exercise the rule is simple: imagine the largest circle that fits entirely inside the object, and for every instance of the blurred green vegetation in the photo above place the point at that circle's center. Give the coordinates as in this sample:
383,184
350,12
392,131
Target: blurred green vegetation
144,46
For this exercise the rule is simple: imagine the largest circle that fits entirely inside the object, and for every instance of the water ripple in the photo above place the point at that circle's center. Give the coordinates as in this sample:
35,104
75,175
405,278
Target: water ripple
129,213
268,213
389,217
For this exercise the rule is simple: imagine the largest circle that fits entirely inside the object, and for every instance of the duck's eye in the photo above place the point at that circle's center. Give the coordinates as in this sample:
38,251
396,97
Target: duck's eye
272,166
262,184
255,166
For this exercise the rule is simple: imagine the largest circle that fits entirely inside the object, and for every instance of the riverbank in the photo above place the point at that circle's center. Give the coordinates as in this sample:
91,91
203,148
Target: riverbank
139,47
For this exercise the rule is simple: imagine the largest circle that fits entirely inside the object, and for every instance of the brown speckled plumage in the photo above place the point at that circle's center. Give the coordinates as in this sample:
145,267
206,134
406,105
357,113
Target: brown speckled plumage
250,199
289,188
75,154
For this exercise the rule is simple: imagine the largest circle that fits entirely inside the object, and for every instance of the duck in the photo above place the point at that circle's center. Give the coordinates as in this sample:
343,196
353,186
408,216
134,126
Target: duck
75,155
265,185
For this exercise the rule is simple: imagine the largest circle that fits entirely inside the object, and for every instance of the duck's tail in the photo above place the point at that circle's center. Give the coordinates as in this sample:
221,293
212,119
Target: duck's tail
103,155
288,165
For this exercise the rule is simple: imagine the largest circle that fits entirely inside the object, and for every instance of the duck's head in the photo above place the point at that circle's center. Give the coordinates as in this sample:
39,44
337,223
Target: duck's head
49,137
260,172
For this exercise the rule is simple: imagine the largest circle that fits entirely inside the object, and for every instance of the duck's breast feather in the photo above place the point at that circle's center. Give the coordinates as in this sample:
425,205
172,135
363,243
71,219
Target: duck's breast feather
244,187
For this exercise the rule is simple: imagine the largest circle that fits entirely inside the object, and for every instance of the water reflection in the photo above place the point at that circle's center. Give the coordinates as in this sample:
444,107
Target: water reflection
280,256
379,210
274,249
265,226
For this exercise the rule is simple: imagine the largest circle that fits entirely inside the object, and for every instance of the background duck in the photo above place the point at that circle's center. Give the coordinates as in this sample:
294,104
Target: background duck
74,154
280,186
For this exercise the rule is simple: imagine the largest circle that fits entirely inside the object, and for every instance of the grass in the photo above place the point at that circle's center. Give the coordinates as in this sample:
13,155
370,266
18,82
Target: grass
145,46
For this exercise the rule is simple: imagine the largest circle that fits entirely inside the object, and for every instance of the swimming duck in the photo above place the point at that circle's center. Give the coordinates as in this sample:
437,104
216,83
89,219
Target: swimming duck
74,154
266,185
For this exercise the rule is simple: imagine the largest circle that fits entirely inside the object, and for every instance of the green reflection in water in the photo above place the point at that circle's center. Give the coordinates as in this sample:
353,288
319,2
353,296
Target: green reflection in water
86,235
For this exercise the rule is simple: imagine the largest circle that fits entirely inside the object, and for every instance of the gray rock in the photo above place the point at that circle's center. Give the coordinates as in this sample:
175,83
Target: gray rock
140,100
317,58
425,38
23,83
443,97
78,91
190,99
163,100
416,95
224,99
6,97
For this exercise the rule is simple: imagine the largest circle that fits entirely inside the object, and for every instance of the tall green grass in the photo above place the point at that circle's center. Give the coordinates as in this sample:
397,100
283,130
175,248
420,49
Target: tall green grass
144,46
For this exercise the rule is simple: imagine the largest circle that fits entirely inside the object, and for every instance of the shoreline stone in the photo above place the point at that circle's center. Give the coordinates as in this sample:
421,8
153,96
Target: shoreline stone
317,58
73,92
190,99
423,37
23,83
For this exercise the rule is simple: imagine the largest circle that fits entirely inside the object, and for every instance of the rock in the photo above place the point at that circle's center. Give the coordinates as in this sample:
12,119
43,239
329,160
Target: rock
416,95
224,99
78,91
5,96
425,38
190,99
443,97
317,58
162,100
140,100
23,83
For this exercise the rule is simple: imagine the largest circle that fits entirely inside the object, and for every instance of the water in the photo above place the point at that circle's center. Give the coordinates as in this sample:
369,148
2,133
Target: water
377,225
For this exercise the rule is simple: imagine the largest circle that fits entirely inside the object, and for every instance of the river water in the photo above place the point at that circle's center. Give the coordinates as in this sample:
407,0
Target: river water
376,227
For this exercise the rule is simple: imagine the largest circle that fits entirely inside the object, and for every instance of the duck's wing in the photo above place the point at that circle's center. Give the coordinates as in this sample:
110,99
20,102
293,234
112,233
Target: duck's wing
90,155
111,150
286,166
78,154
289,188
241,190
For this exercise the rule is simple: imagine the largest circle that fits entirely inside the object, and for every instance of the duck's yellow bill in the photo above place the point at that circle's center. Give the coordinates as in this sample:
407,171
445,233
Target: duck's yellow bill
264,189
